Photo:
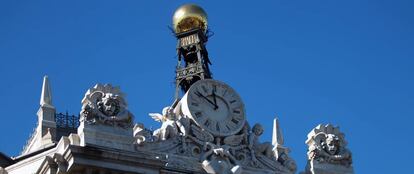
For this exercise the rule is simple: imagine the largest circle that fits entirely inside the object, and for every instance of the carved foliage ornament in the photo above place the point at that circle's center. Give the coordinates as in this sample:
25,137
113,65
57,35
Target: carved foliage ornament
104,104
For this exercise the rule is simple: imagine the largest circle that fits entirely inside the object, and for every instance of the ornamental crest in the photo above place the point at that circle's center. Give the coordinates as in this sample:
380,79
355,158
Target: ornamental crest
104,104
327,145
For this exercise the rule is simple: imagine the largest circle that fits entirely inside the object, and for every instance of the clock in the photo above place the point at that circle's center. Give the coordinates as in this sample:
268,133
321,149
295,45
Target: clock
215,107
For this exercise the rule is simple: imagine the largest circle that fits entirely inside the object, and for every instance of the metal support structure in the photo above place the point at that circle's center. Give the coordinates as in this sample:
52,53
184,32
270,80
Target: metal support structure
192,51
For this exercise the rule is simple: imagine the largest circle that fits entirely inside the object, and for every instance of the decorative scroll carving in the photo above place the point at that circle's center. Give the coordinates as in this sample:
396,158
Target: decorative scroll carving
141,134
104,104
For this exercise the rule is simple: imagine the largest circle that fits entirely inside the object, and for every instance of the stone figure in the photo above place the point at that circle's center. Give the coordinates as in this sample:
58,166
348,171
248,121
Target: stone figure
105,104
327,151
169,127
245,131
258,148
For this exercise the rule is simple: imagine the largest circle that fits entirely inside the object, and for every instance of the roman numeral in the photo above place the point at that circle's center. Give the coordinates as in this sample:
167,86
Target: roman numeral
238,117
231,124
236,111
233,101
198,114
224,93
207,123
235,121
228,127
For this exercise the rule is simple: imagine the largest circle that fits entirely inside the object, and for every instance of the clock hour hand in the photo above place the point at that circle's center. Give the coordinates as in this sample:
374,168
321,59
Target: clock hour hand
208,100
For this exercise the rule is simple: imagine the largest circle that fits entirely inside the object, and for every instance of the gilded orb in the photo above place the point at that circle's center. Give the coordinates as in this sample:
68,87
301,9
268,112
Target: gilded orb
188,17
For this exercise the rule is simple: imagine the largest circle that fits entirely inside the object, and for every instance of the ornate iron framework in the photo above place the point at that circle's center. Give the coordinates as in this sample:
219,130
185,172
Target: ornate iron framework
192,52
64,120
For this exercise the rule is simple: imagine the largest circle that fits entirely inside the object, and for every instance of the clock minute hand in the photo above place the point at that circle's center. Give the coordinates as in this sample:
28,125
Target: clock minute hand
208,100
215,100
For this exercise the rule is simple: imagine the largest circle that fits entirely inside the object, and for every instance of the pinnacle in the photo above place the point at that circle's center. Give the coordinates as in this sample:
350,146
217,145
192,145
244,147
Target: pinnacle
46,96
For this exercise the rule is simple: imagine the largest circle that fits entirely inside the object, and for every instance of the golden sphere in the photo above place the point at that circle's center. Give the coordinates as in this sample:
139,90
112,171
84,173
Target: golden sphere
188,17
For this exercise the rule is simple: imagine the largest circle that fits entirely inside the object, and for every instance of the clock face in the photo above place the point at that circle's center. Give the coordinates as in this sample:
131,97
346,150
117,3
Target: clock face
215,107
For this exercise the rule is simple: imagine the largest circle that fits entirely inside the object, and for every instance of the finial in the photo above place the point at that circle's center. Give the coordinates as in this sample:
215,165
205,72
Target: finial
188,17
46,97
277,139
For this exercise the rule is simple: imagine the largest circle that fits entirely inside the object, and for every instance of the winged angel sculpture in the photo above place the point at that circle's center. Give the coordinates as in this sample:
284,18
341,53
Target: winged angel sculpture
169,127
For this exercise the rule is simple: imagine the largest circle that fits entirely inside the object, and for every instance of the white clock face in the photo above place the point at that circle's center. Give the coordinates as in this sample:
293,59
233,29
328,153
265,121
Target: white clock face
215,107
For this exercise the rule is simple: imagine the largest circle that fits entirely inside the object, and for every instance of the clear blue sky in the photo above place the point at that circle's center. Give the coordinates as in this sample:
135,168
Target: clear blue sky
349,63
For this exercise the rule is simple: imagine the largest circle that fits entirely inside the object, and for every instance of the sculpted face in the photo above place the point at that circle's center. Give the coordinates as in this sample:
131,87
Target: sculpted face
257,129
109,106
332,144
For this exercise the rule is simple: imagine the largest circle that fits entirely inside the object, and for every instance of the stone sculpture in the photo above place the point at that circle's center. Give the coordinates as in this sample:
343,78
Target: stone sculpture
104,104
179,135
327,152
256,147
105,119
169,127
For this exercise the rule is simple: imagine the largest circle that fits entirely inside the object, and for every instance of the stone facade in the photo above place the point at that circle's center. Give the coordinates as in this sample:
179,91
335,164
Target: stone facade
106,142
